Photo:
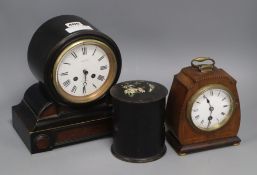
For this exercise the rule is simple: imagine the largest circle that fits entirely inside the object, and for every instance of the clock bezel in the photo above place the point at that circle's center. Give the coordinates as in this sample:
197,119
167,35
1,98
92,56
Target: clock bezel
103,89
200,92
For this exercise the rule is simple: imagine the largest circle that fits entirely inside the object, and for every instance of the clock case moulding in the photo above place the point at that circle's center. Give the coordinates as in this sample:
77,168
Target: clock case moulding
43,119
44,124
181,135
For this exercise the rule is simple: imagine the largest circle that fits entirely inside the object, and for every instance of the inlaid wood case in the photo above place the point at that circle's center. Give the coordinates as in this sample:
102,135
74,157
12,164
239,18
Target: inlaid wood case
182,134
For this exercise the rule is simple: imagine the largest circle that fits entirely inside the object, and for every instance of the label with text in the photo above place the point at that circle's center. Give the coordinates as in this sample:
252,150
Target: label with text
76,26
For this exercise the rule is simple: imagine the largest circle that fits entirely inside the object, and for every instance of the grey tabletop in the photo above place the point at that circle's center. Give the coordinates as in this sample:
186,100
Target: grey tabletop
156,39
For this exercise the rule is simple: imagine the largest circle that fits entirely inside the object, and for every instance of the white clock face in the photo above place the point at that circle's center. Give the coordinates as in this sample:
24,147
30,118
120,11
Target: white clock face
83,70
211,109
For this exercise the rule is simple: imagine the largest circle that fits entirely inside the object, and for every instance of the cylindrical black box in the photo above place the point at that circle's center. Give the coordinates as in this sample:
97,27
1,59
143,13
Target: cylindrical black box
139,131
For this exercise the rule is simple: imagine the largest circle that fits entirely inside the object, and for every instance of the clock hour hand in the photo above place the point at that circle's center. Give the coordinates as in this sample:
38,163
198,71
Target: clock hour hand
85,72
208,101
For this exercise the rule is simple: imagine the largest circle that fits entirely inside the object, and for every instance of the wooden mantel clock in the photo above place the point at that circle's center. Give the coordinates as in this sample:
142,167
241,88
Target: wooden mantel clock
203,110
76,65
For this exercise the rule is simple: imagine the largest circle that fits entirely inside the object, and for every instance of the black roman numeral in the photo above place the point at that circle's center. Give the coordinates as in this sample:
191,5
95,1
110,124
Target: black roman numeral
195,110
103,67
94,85
211,92
99,59
100,77
196,117
66,83
67,63
225,106
222,113
84,50
202,121
64,73
74,88
94,52
224,98
74,54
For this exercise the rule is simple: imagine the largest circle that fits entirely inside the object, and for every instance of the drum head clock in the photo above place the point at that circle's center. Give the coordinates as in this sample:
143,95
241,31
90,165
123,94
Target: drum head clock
76,65
203,110
84,71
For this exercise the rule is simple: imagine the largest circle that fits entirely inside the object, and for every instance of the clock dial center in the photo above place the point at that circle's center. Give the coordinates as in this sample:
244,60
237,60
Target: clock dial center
210,118
211,108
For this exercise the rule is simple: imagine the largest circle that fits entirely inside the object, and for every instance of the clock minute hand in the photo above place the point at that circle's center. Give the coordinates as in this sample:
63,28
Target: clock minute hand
209,123
84,88
211,108
85,72
209,120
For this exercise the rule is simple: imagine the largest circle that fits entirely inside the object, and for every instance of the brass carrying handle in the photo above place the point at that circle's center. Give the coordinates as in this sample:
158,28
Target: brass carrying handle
203,67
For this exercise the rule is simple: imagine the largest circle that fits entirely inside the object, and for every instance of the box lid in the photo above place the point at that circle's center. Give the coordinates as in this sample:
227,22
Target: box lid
138,91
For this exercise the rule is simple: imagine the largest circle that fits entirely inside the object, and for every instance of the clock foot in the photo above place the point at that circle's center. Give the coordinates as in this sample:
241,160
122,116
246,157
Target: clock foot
182,154
236,144
197,147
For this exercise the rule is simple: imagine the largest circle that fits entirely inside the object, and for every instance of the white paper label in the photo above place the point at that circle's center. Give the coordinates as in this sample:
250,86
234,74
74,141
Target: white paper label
76,26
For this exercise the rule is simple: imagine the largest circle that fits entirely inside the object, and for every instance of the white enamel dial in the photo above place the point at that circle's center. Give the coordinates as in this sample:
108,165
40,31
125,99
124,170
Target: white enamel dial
211,109
84,70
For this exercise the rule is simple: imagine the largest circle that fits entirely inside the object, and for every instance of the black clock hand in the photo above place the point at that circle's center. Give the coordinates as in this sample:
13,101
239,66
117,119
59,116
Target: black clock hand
208,101
85,72
211,108
209,120
209,123
84,88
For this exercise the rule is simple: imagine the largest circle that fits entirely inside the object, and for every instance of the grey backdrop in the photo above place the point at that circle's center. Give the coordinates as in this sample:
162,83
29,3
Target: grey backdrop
156,38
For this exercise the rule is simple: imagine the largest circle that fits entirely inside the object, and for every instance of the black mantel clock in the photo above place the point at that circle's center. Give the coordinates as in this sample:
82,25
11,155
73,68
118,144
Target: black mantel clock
76,65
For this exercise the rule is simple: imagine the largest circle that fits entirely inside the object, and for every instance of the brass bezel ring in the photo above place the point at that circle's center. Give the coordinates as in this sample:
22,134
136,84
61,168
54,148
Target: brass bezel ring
107,84
200,92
